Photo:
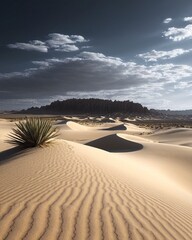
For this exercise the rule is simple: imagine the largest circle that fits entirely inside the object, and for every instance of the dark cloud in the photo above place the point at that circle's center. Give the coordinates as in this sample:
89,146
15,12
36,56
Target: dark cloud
63,77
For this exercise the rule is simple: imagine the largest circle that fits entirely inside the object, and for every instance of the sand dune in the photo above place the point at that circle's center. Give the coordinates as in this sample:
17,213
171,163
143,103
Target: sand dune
73,191
118,127
179,136
173,161
84,134
75,126
114,143
108,126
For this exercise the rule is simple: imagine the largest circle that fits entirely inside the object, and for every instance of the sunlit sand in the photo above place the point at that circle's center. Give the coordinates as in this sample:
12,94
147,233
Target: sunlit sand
105,181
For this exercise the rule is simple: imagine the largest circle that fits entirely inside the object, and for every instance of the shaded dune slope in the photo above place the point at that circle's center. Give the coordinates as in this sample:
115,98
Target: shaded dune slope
63,192
119,127
114,143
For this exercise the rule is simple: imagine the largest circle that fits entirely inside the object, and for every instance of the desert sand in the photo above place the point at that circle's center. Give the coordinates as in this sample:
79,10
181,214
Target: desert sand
111,181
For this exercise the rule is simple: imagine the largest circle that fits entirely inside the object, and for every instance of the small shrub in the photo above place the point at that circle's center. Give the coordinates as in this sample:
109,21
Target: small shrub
33,132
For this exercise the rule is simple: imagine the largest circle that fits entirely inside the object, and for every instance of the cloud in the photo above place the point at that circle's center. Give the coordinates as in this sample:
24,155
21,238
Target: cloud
64,43
56,42
67,48
25,73
179,34
154,55
99,67
89,72
188,19
34,45
92,56
167,20
93,74
182,85
41,63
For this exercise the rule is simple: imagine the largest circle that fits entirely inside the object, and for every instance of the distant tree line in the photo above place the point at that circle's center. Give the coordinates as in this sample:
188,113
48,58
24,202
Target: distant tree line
92,105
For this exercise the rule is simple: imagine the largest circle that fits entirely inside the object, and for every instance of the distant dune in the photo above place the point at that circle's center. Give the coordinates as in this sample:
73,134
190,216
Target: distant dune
179,136
103,182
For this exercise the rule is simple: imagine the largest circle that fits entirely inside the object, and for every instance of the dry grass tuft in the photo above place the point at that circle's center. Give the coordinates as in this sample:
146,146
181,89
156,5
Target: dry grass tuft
33,132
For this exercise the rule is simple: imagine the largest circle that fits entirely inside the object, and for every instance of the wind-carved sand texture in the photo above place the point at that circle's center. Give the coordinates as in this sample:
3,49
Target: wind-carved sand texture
116,185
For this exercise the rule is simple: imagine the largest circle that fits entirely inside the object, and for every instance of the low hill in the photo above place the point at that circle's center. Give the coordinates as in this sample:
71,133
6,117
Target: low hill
93,106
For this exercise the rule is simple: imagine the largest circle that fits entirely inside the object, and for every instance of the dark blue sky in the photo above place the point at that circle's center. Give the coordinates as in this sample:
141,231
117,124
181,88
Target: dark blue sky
124,49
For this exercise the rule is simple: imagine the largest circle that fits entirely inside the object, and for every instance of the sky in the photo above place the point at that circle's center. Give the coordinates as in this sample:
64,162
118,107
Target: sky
137,50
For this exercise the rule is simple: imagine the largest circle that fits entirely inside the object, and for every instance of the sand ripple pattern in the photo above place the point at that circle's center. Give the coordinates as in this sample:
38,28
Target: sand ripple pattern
56,193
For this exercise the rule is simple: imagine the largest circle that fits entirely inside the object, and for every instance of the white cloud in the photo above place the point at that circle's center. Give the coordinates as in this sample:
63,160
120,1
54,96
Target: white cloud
188,19
85,47
64,43
34,45
100,63
11,75
41,63
179,34
101,58
154,55
67,48
167,20
125,70
78,38
183,85
94,62
56,41
25,73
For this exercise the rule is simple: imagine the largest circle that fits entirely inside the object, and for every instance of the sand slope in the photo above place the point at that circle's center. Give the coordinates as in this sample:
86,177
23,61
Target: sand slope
179,136
175,162
73,191
114,143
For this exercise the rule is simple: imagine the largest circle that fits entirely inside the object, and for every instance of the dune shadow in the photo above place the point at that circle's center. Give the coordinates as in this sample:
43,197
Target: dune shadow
116,128
11,154
113,143
60,122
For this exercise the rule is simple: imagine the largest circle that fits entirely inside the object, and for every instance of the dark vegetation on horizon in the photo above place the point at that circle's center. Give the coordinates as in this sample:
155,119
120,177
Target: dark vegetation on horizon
91,106
175,112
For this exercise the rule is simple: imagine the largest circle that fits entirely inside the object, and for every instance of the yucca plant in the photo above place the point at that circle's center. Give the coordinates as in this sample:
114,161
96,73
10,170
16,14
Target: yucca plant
33,132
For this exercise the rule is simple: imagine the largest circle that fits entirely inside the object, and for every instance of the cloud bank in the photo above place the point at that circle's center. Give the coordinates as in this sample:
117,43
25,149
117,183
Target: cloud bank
92,74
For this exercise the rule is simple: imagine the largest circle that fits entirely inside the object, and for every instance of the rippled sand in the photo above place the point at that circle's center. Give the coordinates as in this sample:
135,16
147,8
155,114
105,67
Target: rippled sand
97,183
